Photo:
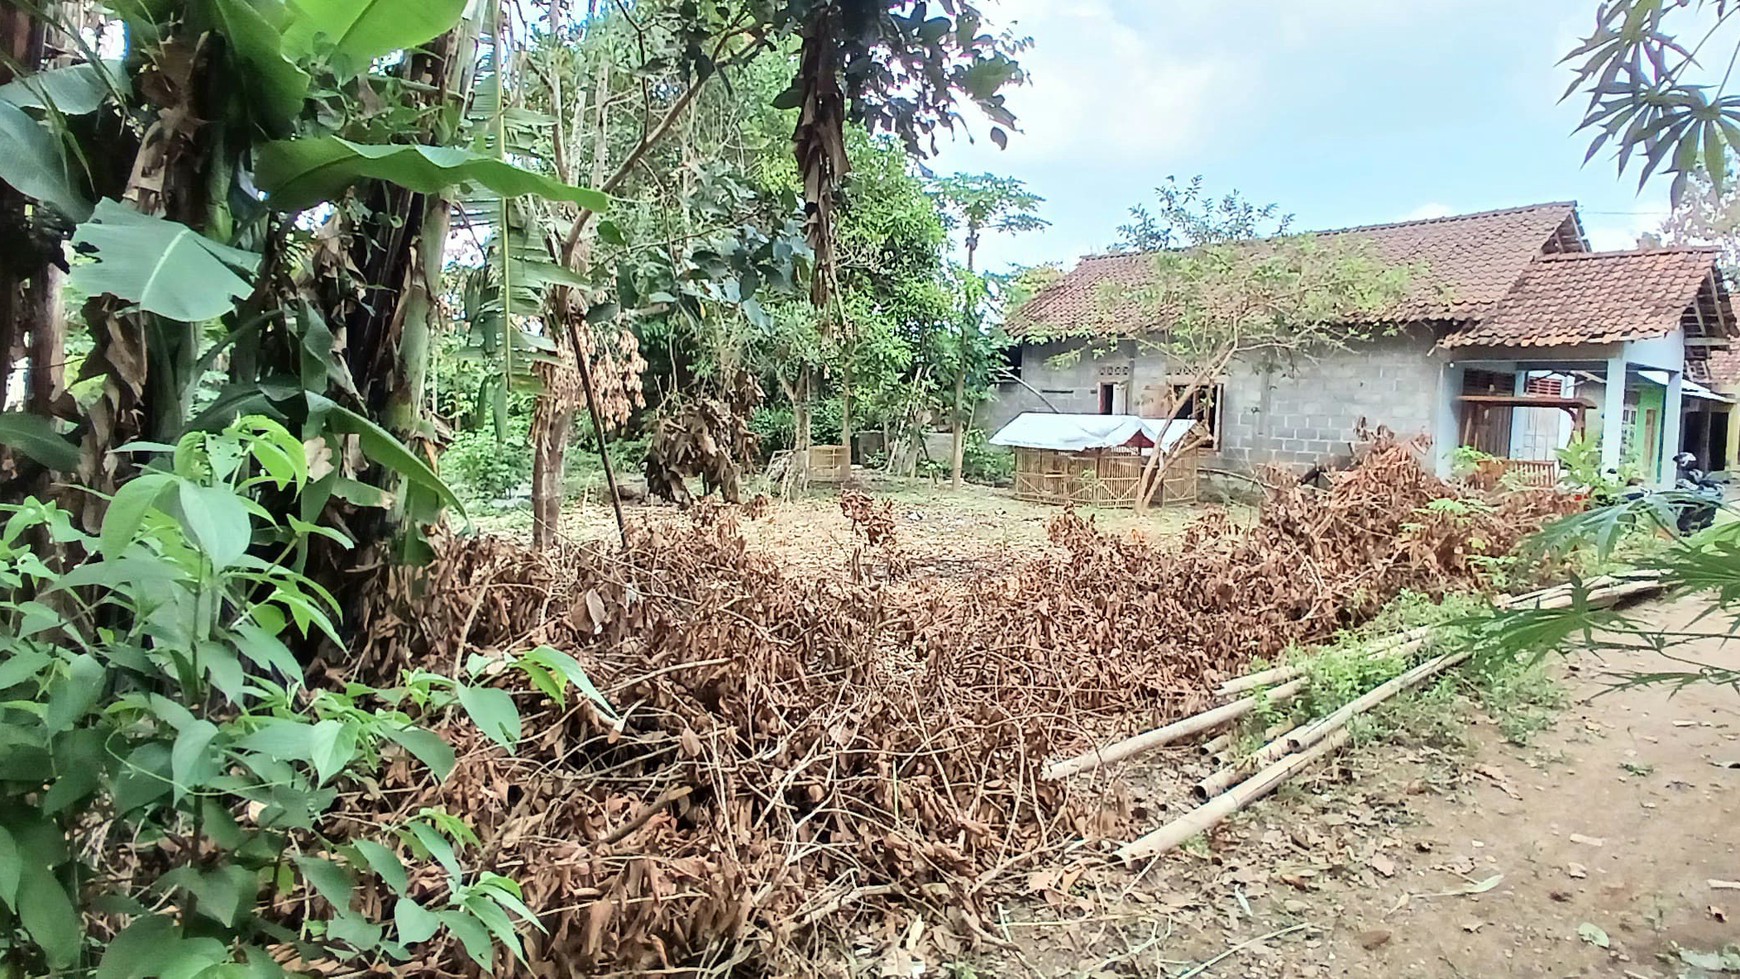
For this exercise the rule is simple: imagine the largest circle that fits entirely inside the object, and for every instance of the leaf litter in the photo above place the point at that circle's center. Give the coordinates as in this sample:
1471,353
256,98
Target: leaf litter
800,762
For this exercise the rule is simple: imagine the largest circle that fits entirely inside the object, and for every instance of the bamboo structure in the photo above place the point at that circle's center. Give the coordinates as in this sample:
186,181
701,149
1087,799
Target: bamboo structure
1194,724
828,464
1212,813
1098,477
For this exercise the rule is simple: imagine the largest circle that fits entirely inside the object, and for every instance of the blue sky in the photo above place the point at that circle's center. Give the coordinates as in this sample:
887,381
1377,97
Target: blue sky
1342,111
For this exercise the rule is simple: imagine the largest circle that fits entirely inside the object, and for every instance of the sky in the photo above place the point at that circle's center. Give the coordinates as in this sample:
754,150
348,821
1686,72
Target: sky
1343,112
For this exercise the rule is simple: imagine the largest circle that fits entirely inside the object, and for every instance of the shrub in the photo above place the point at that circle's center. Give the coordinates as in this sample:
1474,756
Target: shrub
481,468
168,780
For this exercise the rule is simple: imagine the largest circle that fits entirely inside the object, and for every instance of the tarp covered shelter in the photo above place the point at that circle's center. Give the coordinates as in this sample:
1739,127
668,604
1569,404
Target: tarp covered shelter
1095,460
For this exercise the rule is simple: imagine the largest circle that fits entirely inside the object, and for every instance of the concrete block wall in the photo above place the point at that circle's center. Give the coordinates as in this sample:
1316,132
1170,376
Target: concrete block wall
1297,415
1292,415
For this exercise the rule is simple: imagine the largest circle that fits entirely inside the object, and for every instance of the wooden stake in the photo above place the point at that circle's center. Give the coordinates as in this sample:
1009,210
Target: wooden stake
1195,724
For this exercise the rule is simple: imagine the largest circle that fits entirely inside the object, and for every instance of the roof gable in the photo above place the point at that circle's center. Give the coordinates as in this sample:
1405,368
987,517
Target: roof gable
1607,297
1467,264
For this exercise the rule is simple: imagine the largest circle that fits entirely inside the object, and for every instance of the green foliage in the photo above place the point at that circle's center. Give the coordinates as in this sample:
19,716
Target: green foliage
1646,94
164,267
484,468
297,174
33,162
166,776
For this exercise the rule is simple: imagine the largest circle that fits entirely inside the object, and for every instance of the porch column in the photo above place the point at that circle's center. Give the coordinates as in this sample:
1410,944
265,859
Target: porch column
1446,428
1613,415
1671,418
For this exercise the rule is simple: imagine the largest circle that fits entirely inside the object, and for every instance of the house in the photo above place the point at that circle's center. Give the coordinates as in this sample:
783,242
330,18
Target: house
1508,343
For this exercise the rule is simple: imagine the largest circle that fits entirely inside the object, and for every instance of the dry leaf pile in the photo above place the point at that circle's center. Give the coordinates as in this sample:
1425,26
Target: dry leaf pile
798,756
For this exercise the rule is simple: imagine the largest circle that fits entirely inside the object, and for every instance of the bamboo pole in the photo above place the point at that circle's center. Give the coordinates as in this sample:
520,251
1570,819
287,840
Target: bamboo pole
1210,814
1194,724
1311,734
1281,674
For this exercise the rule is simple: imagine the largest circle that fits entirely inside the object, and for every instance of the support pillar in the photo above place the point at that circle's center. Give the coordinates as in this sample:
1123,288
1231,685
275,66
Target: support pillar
1672,415
1613,416
1446,434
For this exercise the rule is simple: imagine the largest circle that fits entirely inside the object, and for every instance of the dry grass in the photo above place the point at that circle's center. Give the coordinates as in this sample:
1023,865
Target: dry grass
947,531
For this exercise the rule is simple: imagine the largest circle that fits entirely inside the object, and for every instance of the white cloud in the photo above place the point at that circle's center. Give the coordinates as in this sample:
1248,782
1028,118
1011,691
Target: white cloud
1427,211
1619,231
1102,91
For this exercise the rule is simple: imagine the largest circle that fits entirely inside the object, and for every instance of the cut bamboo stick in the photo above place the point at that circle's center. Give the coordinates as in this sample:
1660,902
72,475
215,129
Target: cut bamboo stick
1312,733
1235,770
1195,724
1281,674
1209,814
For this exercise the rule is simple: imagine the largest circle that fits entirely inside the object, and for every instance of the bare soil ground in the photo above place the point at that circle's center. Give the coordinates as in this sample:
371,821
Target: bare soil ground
1443,851
950,532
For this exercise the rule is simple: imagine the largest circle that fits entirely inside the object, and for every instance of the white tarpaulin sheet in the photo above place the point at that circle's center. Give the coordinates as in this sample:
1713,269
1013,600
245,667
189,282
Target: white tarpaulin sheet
1076,433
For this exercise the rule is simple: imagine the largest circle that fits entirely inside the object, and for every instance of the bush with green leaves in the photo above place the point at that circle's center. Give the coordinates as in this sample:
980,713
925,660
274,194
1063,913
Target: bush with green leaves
169,783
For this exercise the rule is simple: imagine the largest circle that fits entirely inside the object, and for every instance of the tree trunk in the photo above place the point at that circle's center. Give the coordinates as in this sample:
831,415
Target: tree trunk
960,434
800,421
846,413
549,419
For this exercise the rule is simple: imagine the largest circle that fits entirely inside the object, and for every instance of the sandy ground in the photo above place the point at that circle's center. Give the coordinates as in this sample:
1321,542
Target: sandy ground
1406,858
947,531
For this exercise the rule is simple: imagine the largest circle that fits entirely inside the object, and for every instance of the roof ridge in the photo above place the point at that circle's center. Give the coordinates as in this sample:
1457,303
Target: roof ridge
1630,253
1351,229
1446,219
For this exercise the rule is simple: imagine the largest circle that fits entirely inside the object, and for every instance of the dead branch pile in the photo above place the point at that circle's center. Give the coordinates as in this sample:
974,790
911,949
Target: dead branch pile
798,753
707,437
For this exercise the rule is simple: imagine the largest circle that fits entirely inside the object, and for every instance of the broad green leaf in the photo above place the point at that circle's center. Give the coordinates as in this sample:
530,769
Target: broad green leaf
428,747
473,935
218,522
267,651
332,746
74,692
385,863
127,511
363,30
224,893
554,659
142,778
329,879
20,666
354,930
48,916
415,923
543,680
191,762
141,950
486,910
436,846
277,84
80,762
494,713
165,267
10,869
381,447
35,436
70,91
300,173
33,162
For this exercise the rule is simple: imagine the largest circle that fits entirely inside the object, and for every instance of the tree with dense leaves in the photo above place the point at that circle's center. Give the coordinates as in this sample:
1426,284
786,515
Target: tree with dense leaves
1229,283
979,202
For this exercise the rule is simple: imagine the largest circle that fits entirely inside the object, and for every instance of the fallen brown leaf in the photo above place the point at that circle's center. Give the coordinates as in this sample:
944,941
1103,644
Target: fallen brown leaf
1369,940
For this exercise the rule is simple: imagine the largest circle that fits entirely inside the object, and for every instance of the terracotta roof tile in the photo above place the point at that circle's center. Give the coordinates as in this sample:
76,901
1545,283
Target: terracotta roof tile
1596,297
1467,263
1724,368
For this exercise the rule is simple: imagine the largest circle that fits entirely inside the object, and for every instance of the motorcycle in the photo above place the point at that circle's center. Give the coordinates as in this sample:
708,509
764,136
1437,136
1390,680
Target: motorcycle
1701,495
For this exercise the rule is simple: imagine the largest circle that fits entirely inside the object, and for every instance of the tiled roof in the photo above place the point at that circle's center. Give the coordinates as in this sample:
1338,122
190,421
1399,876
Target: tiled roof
1596,297
1464,264
1724,368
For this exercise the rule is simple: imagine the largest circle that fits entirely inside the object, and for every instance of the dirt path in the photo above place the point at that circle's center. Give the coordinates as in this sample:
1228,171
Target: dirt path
1606,827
